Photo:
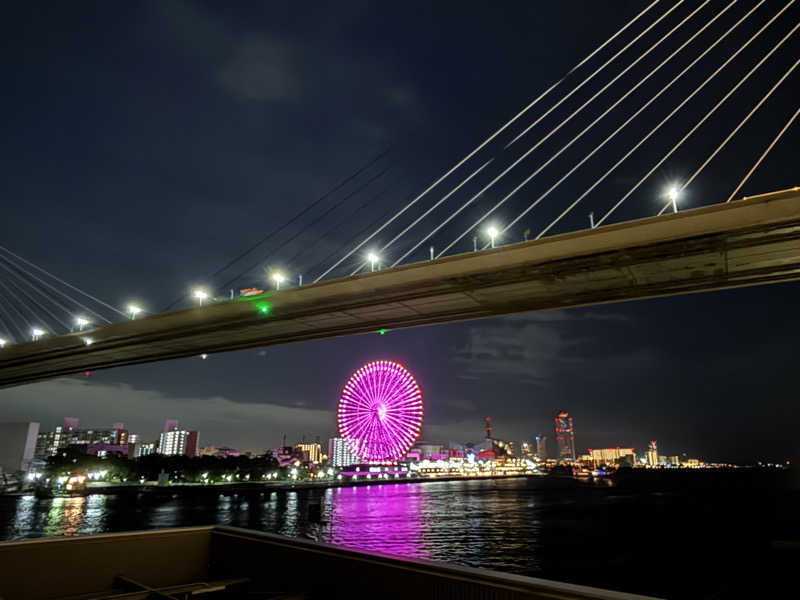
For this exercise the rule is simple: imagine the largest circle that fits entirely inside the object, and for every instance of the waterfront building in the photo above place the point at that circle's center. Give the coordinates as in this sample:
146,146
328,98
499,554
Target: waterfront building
17,446
674,460
310,452
178,443
541,447
565,436
339,453
611,456
48,443
138,449
652,453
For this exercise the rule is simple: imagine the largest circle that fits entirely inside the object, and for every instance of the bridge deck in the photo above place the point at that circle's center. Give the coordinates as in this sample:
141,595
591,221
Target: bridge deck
749,242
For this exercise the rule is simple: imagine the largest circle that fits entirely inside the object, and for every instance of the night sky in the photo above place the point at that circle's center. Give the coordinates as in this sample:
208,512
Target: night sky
146,144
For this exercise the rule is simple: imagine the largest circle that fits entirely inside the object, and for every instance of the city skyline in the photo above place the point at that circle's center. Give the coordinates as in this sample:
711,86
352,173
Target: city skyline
149,196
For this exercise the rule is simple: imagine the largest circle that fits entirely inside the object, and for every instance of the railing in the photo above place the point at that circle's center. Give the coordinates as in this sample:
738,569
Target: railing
231,562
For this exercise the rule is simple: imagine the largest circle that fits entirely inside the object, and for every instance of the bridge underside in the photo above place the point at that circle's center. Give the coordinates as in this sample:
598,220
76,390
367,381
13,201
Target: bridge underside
749,242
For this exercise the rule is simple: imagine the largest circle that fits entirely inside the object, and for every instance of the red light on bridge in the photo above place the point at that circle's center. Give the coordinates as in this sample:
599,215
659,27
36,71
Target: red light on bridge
88,373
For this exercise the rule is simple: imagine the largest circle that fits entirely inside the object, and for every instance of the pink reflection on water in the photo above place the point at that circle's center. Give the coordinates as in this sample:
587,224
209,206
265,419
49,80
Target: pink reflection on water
379,518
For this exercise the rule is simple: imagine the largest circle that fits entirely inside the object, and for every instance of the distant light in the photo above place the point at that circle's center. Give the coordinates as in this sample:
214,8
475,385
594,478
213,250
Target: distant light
204,356
3,342
88,341
373,259
133,310
278,278
382,331
200,295
37,333
81,322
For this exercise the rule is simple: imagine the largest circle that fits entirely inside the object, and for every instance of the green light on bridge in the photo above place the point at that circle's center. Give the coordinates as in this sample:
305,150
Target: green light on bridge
382,331
263,308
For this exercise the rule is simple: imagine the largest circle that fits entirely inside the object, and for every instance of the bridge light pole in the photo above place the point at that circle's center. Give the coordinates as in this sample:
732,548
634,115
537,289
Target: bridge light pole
36,333
200,295
81,322
3,343
278,278
133,310
492,232
672,194
373,259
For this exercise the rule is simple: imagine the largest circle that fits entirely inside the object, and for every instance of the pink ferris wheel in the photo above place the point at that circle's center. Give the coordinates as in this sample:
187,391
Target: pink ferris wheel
380,412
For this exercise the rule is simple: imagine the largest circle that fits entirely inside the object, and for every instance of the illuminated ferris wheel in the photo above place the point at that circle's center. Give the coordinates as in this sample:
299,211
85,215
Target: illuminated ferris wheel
380,412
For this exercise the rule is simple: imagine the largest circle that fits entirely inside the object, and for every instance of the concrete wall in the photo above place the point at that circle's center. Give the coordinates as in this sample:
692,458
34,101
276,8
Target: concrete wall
17,446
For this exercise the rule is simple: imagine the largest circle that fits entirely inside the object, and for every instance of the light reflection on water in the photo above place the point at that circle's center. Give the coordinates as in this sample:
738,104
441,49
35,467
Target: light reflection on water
578,534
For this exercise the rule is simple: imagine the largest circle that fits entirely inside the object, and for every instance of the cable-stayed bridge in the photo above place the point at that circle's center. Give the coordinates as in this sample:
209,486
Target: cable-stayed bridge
750,242
682,77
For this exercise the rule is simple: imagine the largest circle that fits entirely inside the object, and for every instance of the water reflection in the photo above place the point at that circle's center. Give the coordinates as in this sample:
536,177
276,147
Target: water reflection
384,518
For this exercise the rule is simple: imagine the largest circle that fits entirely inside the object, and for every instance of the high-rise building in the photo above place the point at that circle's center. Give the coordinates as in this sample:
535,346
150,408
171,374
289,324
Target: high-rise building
179,443
565,436
652,453
541,447
17,446
71,424
612,456
170,425
48,443
311,452
339,453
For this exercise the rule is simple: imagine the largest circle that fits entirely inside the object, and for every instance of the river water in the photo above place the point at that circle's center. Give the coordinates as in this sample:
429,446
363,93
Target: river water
652,543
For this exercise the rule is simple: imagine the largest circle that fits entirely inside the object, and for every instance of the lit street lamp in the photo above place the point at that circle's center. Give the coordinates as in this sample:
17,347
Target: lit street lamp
200,295
672,194
3,343
133,310
81,322
373,259
36,333
278,278
492,232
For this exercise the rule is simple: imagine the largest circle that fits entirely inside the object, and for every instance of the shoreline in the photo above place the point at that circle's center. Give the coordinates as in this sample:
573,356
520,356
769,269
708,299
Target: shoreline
255,487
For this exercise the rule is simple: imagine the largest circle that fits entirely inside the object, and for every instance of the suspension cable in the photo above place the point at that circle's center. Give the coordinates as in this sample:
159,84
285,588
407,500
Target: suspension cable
705,118
55,289
485,142
764,155
62,282
662,122
603,66
23,291
592,124
425,214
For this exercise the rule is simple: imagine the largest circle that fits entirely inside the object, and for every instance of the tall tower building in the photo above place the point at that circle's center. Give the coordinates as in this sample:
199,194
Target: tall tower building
488,428
652,453
541,447
565,436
